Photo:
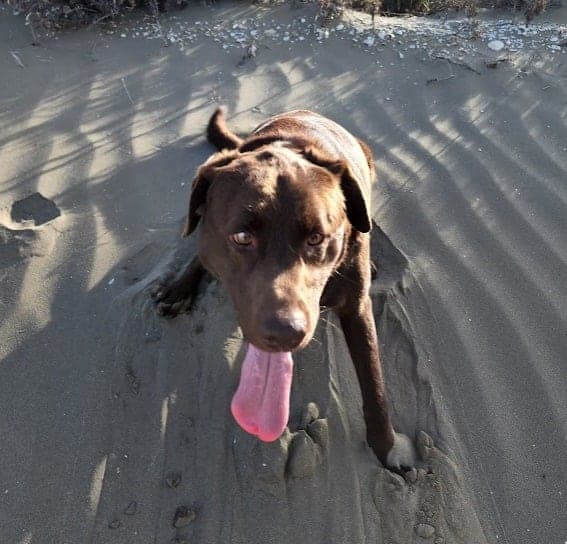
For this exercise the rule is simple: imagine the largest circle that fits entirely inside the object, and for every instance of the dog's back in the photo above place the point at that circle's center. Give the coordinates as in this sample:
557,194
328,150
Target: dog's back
303,129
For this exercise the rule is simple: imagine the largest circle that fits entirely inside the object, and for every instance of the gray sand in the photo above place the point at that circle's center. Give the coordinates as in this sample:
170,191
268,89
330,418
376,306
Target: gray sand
115,423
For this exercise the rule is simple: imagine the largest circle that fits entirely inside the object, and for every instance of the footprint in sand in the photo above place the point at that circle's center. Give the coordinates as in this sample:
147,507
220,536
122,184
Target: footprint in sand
34,208
308,443
17,236
15,245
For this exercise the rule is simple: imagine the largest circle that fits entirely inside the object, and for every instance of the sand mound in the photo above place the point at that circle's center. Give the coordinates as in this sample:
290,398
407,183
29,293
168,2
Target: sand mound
200,477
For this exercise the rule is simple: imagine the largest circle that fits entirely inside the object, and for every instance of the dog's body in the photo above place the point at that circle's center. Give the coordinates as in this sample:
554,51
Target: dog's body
285,227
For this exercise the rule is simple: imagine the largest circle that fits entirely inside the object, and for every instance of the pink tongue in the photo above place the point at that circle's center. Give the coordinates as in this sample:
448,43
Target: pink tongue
261,402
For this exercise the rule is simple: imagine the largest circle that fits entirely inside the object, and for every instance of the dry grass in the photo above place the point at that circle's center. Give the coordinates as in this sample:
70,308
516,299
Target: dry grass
50,14
330,9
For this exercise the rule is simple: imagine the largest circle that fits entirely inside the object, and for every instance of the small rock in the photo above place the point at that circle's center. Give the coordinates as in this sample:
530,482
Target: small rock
339,27
369,41
496,45
183,517
114,524
382,35
424,530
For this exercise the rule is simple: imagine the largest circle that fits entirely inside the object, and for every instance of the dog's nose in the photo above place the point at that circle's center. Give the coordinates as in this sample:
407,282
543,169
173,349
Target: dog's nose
284,331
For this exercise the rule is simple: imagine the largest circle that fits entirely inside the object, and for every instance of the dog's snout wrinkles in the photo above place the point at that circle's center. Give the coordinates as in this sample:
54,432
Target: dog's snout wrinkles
285,330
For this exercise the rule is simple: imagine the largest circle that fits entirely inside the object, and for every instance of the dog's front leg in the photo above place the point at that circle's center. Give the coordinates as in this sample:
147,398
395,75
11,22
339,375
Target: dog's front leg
394,450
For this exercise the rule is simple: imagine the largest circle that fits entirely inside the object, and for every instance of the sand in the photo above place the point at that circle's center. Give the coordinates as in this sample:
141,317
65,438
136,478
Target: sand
115,423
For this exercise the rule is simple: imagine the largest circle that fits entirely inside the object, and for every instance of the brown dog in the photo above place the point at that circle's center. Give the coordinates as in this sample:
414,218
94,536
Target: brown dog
285,224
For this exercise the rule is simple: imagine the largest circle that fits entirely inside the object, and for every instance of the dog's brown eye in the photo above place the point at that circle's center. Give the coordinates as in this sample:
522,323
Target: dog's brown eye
315,239
242,238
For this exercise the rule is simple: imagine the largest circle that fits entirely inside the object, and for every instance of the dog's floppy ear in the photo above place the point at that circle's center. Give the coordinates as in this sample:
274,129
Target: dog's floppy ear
356,205
355,201
200,188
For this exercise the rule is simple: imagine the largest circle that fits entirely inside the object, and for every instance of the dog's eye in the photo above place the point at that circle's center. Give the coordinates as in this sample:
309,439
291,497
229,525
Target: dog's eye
315,239
242,238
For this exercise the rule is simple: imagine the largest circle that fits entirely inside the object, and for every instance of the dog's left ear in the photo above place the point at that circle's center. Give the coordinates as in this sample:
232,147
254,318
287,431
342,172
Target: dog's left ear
200,188
356,205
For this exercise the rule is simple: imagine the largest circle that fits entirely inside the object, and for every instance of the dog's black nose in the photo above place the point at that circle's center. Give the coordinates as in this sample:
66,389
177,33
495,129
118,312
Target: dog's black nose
284,331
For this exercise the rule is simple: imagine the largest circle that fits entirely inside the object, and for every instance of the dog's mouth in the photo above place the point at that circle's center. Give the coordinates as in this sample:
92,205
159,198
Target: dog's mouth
261,403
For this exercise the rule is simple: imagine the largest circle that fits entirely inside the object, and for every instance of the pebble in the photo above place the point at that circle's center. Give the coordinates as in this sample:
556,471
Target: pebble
183,517
414,32
424,530
496,45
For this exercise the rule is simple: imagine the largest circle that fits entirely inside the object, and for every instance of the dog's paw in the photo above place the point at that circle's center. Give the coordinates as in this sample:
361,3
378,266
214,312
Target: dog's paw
172,297
402,456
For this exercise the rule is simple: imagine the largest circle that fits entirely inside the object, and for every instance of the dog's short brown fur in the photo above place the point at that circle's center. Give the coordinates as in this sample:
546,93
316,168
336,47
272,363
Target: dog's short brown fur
285,221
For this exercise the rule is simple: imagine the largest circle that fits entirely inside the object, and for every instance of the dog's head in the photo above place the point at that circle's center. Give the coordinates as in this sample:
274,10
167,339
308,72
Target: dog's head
275,226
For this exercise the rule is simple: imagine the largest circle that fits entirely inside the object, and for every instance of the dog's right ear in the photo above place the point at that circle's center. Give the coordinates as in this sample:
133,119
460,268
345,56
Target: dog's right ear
200,188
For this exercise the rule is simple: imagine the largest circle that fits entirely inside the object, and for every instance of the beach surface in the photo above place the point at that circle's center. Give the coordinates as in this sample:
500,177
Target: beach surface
115,423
